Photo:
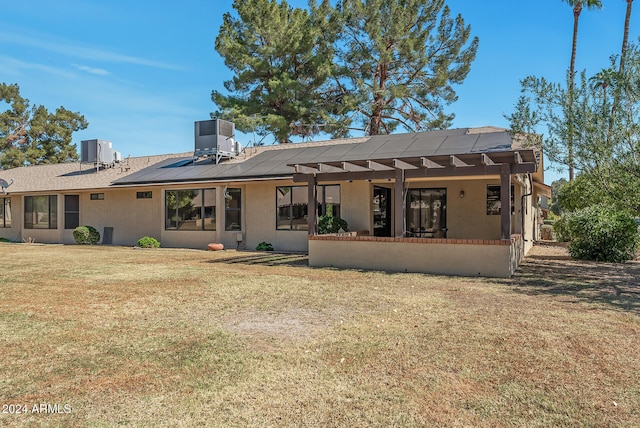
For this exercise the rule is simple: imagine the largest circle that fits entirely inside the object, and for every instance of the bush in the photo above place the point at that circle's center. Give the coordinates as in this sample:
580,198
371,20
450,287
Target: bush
601,233
561,228
331,224
86,235
148,242
264,246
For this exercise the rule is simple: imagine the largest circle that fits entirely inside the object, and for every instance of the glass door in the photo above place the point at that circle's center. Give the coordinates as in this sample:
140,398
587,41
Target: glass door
381,211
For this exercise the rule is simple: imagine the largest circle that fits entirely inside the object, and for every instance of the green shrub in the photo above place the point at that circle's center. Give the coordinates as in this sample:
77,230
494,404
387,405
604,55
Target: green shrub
601,233
4,240
264,246
561,227
87,235
148,242
331,224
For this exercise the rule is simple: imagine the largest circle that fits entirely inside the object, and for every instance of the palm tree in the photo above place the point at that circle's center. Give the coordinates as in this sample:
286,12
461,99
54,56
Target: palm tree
623,54
577,9
625,38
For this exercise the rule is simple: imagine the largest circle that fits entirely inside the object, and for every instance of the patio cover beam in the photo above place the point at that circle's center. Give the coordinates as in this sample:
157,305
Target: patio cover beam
377,166
323,167
457,162
471,170
505,201
352,167
428,163
312,181
486,160
400,164
398,206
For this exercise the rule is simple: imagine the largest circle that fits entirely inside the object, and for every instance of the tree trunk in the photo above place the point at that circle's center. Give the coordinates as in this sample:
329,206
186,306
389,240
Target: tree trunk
625,38
623,54
375,123
574,47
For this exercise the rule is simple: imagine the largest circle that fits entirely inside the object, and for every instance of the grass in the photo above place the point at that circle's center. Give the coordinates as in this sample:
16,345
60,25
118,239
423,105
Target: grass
167,337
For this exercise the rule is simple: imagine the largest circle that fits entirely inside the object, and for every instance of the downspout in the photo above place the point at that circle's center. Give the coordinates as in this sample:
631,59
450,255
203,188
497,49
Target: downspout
524,211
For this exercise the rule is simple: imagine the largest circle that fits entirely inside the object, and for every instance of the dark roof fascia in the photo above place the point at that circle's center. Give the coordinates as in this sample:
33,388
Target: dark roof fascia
203,180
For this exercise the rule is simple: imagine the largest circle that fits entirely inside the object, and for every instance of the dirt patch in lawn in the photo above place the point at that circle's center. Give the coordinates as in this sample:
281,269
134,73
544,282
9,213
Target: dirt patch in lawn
267,330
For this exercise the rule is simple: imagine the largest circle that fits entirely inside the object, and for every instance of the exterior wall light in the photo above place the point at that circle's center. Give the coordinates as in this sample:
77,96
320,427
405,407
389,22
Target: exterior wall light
462,194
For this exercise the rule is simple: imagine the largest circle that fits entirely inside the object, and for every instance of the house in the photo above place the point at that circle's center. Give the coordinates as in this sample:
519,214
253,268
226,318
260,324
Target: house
461,201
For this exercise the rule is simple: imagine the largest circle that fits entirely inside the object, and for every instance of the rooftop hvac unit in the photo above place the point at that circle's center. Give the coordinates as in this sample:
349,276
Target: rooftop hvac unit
215,138
97,152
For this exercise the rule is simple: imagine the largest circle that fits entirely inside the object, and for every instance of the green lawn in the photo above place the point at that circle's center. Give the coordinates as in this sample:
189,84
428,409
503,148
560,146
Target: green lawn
171,337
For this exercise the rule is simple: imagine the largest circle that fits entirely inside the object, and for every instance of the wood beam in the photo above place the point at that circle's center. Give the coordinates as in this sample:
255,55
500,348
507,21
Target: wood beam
505,201
323,167
400,164
352,167
312,203
398,204
517,157
376,166
428,163
486,160
302,169
341,176
456,162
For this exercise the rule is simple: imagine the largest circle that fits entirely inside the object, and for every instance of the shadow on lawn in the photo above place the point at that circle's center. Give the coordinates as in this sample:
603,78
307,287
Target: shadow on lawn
617,285
266,259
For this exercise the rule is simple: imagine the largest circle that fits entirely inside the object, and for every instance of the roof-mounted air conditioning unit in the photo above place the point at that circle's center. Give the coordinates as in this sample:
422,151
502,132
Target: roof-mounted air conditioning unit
97,152
215,138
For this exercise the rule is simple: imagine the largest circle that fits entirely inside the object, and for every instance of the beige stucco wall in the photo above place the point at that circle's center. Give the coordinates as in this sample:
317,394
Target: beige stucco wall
13,233
133,218
356,199
442,258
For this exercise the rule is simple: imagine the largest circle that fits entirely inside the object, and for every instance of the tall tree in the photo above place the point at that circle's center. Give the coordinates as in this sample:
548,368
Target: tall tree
577,6
281,58
625,37
32,135
401,59
623,55
607,146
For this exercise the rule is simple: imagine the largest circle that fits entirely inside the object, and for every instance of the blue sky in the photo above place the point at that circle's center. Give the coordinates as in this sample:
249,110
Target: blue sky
142,72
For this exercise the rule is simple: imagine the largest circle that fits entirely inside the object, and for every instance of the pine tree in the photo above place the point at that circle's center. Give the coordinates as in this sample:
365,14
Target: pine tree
33,135
281,58
402,59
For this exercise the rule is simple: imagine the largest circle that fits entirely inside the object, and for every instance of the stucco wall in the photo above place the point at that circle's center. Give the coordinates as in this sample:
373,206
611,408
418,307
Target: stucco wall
14,233
131,218
356,199
490,258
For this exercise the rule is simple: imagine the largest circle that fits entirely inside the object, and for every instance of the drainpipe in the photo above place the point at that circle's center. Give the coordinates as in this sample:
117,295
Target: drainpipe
522,211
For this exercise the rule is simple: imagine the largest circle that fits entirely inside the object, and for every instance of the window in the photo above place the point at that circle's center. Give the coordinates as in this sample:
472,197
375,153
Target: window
427,213
232,209
193,209
292,205
493,200
97,196
71,211
41,212
144,195
5,212
329,200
